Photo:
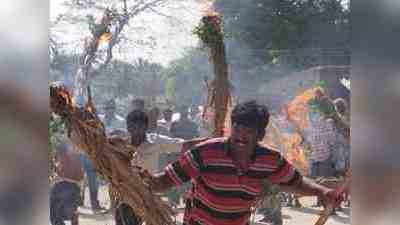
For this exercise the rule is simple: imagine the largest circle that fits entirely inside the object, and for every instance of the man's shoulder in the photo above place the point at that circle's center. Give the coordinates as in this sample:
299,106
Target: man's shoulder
262,151
212,143
155,138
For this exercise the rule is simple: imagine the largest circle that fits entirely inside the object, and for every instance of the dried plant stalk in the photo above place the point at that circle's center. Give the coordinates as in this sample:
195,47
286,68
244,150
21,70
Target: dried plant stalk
111,158
210,32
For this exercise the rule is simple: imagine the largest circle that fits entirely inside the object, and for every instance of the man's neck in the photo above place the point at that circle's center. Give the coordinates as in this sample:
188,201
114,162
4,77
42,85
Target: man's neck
139,142
241,160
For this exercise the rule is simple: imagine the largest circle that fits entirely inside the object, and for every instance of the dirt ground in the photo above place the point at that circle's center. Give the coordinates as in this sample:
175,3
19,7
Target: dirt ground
291,216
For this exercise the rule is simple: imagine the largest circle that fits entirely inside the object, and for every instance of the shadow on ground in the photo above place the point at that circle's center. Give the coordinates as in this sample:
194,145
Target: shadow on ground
307,210
87,213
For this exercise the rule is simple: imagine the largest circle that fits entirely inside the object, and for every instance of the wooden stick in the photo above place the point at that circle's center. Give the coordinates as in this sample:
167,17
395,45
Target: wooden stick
329,209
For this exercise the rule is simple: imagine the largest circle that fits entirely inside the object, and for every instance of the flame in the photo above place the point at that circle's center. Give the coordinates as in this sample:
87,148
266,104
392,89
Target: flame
105,37
298,108
207,9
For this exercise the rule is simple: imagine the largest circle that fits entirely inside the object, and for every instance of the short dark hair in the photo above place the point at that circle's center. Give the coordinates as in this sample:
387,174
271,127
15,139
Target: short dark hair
137,116
138,102
251,114
167,110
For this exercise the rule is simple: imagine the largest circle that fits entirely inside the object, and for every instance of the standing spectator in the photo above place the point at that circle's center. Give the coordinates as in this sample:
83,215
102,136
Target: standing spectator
153,114
110,118
148,148
65,194
136,104
93,183
184,128
343,156
321,137
165,123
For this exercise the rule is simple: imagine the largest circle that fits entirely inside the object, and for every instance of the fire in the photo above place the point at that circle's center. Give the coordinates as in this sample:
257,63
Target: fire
207,9
106,37
298,108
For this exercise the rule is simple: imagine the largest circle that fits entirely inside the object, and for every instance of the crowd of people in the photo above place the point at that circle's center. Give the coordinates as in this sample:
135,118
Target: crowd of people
220,179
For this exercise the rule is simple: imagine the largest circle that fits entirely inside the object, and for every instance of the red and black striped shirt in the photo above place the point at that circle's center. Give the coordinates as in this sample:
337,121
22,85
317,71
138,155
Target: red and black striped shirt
221,196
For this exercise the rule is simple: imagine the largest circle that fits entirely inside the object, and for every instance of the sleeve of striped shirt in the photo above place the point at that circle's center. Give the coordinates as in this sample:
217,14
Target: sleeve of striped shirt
187,167
285,174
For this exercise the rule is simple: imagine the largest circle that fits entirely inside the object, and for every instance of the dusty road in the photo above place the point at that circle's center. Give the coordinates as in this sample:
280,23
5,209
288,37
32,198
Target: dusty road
291,216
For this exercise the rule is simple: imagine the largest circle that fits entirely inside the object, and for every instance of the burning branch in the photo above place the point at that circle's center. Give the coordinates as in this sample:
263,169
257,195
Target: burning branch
210,33
101,33
111,158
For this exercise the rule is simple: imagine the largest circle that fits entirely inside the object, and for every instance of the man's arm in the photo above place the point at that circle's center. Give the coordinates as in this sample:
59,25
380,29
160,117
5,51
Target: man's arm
161,182
307,187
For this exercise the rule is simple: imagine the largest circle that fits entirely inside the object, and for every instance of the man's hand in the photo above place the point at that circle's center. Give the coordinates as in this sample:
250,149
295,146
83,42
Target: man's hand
330,197
308,187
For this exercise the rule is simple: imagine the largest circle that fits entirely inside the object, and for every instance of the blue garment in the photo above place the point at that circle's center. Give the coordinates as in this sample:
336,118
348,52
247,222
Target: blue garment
92,181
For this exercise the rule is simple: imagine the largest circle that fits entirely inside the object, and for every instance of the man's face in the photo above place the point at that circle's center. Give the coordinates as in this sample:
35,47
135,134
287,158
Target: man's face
243,139
137,105
137,132
167,115
184,114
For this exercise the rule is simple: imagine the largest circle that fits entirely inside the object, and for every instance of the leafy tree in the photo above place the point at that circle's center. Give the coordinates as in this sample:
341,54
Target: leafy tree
184,78
265,25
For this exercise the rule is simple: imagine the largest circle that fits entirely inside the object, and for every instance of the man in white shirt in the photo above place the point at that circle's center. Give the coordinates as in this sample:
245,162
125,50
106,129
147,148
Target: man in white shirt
149,147
165,123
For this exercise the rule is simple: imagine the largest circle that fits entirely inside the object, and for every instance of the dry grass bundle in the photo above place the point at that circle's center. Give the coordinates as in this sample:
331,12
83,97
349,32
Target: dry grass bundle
111,158
210,32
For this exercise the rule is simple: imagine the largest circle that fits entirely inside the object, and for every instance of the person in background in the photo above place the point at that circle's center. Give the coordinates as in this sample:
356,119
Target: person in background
343,111
184,128
193,112
204,122
165,123
146,144
93,183
65,194
110,118
137,104
153,114
321,136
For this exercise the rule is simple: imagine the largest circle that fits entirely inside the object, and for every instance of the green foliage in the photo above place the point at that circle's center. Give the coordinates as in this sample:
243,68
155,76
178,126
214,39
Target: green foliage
209,30
56,135
170,87
286,24
184,78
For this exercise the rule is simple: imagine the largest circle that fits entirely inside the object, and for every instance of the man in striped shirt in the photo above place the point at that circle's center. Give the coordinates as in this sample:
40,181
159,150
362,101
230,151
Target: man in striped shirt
228,173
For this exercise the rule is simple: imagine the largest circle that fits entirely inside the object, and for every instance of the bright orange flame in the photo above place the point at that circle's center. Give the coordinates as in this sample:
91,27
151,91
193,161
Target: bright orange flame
106,37
298,108
206,8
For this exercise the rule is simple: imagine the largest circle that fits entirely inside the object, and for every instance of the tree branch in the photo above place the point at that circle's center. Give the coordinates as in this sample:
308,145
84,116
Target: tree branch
84,73
139,9
164,15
